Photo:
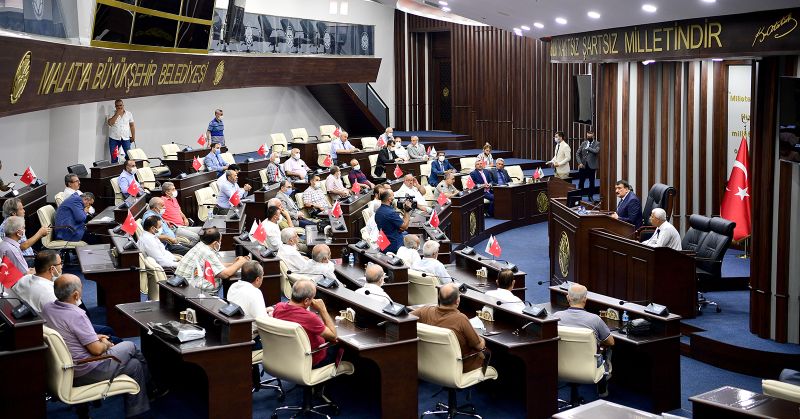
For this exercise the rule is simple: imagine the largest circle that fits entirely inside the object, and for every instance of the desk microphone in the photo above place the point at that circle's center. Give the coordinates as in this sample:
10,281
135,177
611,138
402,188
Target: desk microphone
650,307
129,244
185,146
22,310
641,302
325,281
36,182
395,309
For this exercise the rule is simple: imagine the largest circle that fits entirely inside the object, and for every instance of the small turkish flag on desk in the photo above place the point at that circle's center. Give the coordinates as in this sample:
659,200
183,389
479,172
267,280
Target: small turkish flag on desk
129,225
9,274
397,172
328,162
133,189
383,241
235,200
201,140
196,163
262,151
493,247
260,235
28,176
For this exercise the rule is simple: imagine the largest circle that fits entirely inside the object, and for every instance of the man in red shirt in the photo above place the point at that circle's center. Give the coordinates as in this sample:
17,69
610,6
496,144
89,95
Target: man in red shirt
319,328
172,208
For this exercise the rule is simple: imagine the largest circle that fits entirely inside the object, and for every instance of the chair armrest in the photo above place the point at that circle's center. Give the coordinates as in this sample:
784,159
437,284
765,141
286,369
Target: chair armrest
324,346
487,356
708,260
97,358
314,137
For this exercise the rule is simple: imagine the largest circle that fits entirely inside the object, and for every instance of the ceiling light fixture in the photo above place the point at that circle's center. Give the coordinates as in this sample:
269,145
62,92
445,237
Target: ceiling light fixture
561,21
646,62
716,59
525,28
538,25
446,9
649,8
594,15
709,1
334,7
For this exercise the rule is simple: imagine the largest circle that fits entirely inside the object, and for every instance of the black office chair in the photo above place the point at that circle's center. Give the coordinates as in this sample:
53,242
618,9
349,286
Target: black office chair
78,169
660,196
271,36
708,239
311,36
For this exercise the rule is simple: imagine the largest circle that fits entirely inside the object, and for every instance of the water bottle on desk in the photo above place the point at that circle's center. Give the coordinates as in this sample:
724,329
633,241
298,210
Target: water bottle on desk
624,318
351,260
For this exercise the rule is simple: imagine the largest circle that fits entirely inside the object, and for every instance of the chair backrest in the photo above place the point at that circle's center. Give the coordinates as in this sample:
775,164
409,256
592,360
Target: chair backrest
781,390
467,164
289,349
138,154
279,142
215,187
425,172
204,196
286,286
367,213
170,151
699,226
464,182
139,229
58,360
323,150
227,157
117,192
422,289
438,356
143,275
155,274
263,174
577,356
373,161
47,215
78,169
516,173
369,142
714,245
146,177
59,198
660,196
326,132
298,197
299,135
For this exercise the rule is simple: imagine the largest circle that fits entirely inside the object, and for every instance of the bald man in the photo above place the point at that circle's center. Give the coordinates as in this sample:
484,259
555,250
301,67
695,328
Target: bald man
577,316
412,188
319,328
356,175
374,276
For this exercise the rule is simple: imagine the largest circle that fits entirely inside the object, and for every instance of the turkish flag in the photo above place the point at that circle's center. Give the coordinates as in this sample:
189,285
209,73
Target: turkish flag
536,174
493,247
235,200
428,151
356,188
196,163
129,225
397,171
736,201
442,199
208,274
337,209
337,132
9,274
260,235
28,176
383,241
115,153
380,142
470,183
201,140
434,221
262,151
133,189
328,162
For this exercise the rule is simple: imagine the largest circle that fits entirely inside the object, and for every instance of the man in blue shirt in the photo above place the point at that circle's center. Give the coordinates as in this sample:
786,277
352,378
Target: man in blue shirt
341,145
166,235
72,213
213,160
501,175
390,222
438,167
215,129
128,176
227,187
484,177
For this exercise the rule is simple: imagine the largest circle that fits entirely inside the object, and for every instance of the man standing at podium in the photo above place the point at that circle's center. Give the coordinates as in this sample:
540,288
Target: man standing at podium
562,156
629,208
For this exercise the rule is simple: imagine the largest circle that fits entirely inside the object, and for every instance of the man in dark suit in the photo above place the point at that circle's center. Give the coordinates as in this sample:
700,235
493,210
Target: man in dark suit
587,162
501,176
483,177
385,156
438,167
629,208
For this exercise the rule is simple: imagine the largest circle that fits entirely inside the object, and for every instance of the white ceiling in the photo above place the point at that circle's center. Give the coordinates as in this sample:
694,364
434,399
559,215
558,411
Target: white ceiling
508,14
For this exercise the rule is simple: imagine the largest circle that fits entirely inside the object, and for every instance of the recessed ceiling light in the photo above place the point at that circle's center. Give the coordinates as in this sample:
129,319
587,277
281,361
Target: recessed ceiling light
518,31
443,3
538,25
594,15
646,62
445,9
649,8
561,21
525,28
709,1
716,59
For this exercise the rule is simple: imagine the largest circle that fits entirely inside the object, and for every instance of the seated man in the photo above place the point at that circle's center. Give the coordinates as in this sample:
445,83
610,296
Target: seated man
10,247
246,293
72,184
273,215
388,220
213,160
290,206
314,199
629,208
150,245
37,289
284,218
483,177
356,175
412,188
401,152
446,315
438,168
166,235
275,172
71,218
505,283
295,167
501,176
126,177
665,235
409,251
374,276
388,134
288,252
341,145
416,150
13,207
447,185
430,265
227,187
319,327
192,265
334,183
385,156
320,263
174,216
65,317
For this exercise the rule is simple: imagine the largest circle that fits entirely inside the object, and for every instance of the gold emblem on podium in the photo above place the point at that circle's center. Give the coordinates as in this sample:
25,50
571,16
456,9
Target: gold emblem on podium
219,72
21,77
563,254
473,224
445,92
542,202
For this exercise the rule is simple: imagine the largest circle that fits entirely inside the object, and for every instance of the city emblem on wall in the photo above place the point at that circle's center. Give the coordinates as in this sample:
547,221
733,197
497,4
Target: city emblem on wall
542,202
219,72
364,41
21,77
563,254
473,224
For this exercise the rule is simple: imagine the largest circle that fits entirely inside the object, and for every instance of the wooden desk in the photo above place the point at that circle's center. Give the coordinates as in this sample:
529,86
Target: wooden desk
223,356
646,364
308,152
527,360
521,201
471,263
411,166
419,225
396,282
351,211
186,188
116,282
337,247
271,285
33,197
137,208
23,362
467,215
256,209
228,227
732,402
249,173
184,159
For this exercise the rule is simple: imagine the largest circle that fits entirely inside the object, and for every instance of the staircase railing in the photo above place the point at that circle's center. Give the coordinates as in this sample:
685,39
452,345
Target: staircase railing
368,96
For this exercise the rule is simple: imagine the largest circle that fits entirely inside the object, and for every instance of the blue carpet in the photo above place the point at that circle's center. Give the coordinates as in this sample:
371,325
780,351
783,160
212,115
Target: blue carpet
735,267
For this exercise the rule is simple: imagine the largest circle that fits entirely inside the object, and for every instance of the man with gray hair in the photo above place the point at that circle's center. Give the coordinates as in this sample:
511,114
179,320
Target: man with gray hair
173,214
447,185
65,317
501,176
288,252
665,235
285,220
72,184
9,247
166,235
374,276
289,204
14,207
320,263
227,187
409,251
319,328
430,265
416,150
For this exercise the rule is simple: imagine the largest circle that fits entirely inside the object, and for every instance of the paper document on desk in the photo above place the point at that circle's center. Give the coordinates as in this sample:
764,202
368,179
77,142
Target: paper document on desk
477,323
105,219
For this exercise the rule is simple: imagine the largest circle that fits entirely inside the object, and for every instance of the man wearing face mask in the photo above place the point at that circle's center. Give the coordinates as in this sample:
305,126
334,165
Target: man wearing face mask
150,245
14,207
9,246
216,128
227,187
295,167
412,188
190,234
416,150
275,172
387,135
288,252
341,145
173,214
438,168
71,218
402,153
127,177
562,156
213,160
385,156
587,162
37,289
334,184
314,199
289,204
357,176
192,265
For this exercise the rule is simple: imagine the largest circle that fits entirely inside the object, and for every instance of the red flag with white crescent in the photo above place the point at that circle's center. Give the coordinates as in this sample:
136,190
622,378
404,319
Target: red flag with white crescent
260,235
133,189
356,188
28,176
442,199
115,152
736,200
9,274
208,274
434,221
337,132
337,209
470,183
383,241
262,151
129,225
328,162
493,247
201,140
235,200
397,172
196,163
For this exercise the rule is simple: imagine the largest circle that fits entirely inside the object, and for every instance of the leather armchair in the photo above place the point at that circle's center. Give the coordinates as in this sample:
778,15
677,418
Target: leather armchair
708,239
578,360
660,196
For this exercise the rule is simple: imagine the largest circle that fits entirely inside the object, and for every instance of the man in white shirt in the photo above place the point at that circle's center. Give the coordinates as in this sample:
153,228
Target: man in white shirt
411,187
72,184
374,275
409,251
227,187
665,235
246,293
151,246
288,252
505,283
401,151
37,289
121,130
334,185
273,241
431,265
295,167
320,263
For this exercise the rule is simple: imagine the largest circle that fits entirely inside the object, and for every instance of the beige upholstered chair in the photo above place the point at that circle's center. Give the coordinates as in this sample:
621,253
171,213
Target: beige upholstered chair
373,161
300,135
425,172
578,360
227,157
286,286
439,361
422,289
467,164
516,173
118,199
256,358
146,178
326,132
139,154
264,178
60,374
323,150
154,274
781,390
367,213
368,142
205,202
290,359
47,215
59,199
279,143
170,151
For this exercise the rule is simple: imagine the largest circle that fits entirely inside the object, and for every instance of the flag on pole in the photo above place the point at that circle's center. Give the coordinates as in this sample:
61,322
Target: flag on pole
133,189
201,140
470,183
356,188
208,274
736,201
432,151
262,151
253,229
383,241
196,163
337,132
328,162
235,200
336,212
9,274
28,176
397,172
493,247
129,225
115,153
434,221
442,199
381,142
260,235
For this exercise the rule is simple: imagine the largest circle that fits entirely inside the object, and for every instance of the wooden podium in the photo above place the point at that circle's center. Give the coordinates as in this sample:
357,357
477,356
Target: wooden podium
466,217
521,201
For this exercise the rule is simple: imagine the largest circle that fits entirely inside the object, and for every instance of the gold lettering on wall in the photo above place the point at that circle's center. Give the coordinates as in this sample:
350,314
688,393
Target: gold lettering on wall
777,30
